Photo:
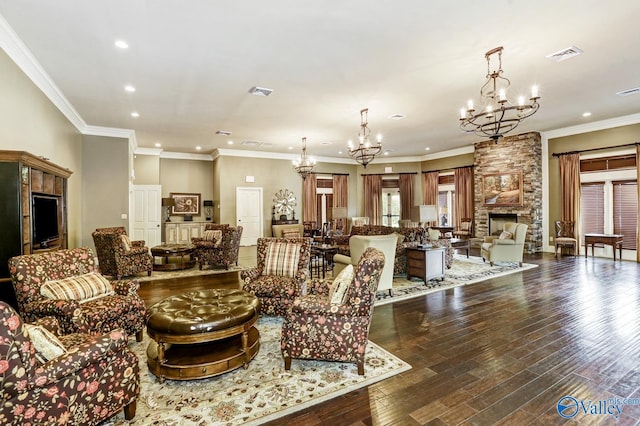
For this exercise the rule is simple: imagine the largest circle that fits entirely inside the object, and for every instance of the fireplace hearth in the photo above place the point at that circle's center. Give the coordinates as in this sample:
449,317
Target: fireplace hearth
496,221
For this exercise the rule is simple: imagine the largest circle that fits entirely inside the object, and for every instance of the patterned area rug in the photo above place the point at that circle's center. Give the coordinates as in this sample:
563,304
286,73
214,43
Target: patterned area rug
192,272
262,392
463,272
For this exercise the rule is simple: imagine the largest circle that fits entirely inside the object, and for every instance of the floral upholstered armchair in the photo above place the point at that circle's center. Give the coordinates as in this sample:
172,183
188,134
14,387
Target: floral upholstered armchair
118,256
66,284
281,274
319,318
77,379
218,247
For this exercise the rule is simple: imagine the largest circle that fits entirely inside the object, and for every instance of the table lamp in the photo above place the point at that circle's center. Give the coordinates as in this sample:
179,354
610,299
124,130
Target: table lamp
168,203
424,213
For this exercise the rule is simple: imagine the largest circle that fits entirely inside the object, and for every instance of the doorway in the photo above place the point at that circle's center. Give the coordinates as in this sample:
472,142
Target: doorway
249,214
145,216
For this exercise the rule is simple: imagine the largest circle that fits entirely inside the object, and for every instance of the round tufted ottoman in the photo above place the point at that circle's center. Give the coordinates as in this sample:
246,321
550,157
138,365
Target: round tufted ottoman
202,334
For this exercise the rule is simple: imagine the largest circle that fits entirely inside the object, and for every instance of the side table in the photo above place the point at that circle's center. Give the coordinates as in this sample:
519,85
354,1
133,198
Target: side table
425,263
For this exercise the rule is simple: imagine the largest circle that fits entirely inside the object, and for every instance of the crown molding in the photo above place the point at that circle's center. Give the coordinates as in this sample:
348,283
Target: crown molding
222,152
185,156
148,151
450,153
594,126
24,59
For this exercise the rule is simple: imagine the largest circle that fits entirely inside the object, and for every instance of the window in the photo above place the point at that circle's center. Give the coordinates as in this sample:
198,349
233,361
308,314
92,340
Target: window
592,208
390,207
625,208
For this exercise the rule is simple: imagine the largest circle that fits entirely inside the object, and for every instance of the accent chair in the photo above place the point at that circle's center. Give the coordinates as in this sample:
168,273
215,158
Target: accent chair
313,320
75,379
280,275
465,230
66,284
508,247
565,236
218,247
118,256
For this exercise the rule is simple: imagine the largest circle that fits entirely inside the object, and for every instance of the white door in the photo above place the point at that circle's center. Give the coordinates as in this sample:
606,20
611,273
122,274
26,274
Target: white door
146,214
249,214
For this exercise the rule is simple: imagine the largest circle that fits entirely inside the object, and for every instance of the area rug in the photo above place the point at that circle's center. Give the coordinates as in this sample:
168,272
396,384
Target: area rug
464,271
262,392
192,272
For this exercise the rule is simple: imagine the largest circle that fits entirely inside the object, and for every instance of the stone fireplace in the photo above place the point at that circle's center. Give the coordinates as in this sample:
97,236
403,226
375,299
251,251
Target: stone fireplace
510,154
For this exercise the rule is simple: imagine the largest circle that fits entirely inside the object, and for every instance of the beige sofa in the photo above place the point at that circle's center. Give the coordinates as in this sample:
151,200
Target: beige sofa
278,230
358,244
496,249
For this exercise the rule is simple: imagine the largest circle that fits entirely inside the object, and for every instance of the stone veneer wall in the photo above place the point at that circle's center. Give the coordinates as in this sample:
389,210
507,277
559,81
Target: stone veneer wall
511,154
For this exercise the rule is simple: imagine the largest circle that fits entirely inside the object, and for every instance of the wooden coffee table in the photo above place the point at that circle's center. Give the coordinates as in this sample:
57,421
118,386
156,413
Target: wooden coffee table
461,243
168,251
202,334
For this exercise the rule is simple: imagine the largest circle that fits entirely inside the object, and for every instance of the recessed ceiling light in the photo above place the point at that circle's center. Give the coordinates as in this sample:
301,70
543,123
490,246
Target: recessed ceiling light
122,44
427,149
290,148
386,153
260,91
135,114
340,152
586,114
198,148
129,88
229,142
158,144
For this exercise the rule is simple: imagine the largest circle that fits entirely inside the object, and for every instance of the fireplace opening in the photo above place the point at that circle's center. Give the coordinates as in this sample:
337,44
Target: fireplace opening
497,220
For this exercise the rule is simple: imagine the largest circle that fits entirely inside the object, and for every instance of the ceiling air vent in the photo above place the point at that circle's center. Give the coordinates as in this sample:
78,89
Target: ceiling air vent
223,132
250,143
565,54
260,91
629,92
397,116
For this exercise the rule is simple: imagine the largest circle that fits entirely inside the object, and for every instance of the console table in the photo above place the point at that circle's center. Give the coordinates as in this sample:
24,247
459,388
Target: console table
614,240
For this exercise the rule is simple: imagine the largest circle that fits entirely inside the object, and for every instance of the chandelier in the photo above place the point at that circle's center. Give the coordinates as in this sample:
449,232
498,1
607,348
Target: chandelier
365,152
304,166
497,115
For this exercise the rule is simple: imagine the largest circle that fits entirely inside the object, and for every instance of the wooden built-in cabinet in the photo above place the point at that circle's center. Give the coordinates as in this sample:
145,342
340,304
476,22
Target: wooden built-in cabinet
23,175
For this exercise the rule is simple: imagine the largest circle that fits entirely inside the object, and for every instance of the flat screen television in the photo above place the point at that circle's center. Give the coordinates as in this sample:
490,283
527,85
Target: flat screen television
45,219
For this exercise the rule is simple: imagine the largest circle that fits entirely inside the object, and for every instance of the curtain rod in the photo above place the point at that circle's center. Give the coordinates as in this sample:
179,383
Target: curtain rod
329,173
389,174
446,170
558,154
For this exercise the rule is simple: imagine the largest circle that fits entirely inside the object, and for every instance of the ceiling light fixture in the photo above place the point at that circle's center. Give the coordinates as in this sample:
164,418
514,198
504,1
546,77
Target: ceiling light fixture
135,114
129,88
365,152
121,44
304,166
497,115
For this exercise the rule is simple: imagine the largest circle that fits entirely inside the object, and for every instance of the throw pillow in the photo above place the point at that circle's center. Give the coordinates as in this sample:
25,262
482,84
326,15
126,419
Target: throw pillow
214,235
434,234
506,235
46,344
82,288
340,285
400,238
282,259
291,233
126,242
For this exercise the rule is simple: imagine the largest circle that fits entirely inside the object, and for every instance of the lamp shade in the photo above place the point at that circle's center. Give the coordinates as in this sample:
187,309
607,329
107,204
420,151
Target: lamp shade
339,212
169,201
207,203
424,213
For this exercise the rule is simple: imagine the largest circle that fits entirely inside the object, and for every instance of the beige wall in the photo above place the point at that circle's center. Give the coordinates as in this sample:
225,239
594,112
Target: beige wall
598,139
146,169
30,122
448,163
187,176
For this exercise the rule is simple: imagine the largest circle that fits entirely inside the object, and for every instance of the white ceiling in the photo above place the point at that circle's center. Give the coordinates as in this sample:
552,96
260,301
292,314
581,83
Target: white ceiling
193,62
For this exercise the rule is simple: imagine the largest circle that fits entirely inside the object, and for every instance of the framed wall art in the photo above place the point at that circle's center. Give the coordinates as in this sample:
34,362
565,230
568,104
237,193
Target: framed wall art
186,204
502,189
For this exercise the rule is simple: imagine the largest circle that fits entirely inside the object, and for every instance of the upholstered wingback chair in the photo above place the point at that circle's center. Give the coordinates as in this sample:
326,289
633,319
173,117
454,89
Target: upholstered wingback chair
280,275
357,246
92,379
506,248
221,249
80,298
118,256
314,321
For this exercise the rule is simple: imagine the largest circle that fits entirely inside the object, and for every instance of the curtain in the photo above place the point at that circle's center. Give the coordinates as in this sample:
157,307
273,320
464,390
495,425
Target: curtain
638,180
309,199
406,195
463,184
340,191
430,188
372,186
570,181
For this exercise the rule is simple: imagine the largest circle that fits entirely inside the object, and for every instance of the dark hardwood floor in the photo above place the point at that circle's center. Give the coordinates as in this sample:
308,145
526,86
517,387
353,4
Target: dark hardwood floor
503,351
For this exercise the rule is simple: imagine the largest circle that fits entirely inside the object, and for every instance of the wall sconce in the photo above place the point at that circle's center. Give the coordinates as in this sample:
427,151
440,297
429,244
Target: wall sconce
168,203
208,205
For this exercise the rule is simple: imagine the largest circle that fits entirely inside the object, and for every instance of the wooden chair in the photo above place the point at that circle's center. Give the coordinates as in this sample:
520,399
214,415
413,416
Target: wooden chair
465,230
565,236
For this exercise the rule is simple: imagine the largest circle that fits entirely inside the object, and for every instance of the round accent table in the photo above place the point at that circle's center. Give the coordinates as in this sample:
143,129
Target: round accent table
168,251
202,334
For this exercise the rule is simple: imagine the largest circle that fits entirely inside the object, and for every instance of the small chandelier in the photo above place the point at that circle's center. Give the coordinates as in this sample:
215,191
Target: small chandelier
365,152
498,115
304,166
